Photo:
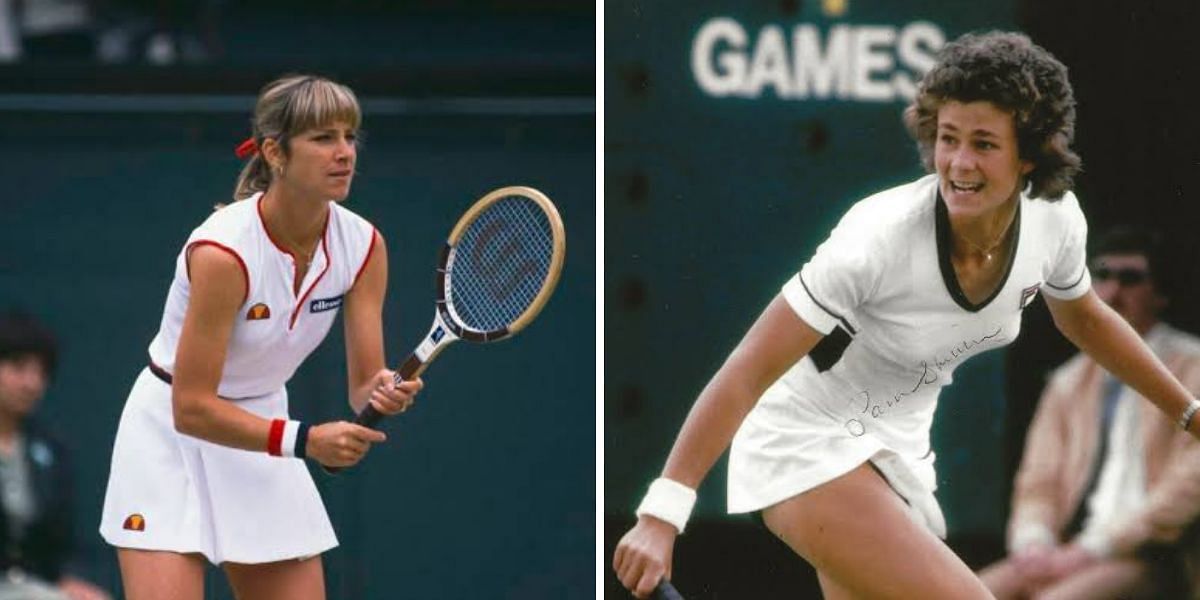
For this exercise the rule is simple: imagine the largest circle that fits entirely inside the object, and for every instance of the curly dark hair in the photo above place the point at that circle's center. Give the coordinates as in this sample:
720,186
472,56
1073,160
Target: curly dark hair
1010,71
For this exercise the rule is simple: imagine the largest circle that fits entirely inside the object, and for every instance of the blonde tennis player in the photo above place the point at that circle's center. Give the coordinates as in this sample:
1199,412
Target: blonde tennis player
828,400
207,465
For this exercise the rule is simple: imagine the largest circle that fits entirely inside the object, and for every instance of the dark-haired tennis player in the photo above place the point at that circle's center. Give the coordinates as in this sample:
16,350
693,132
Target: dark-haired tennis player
829,398
207,464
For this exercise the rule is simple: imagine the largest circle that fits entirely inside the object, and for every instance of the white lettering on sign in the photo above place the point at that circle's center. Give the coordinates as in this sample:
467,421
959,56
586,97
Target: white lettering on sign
865,63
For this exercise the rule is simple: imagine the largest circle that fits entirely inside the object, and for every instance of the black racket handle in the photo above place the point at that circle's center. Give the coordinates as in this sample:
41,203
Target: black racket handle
369,417
666,591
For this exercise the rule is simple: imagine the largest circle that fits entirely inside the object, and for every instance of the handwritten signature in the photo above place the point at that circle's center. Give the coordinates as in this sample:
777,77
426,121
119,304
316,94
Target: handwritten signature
930,374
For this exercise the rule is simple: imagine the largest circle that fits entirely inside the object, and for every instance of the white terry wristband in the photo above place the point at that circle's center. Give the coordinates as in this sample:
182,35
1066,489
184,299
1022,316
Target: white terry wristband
288,444
670,501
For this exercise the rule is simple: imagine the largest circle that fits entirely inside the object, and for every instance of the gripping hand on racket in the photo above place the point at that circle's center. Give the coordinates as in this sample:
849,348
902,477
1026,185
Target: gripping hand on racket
386,395
342,444
643,556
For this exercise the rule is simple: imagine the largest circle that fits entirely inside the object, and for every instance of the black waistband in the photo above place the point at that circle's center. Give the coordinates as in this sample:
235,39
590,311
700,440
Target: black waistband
166,378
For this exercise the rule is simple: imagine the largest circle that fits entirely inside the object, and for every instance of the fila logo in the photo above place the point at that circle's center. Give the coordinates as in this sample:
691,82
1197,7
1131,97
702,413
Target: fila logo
135,522
324,304
1028,294
258,312
437,334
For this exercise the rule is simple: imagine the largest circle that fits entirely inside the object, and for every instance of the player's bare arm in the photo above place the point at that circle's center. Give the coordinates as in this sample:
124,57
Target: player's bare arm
776,341
1099,331
368,378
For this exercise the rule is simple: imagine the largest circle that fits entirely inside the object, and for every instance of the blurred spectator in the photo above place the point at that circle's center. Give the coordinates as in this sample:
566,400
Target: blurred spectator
46,29
1108,485
36,539
160,32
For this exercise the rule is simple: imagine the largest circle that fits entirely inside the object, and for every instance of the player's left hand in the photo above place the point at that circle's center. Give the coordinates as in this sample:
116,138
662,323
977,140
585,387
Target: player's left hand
389,398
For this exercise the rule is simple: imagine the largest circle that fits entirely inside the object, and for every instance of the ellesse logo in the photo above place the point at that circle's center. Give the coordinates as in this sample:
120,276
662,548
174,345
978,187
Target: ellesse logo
258,311
324,304
135,522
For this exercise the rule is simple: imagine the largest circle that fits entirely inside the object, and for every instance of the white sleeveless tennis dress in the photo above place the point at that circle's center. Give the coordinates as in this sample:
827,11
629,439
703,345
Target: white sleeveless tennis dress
170,491
883,290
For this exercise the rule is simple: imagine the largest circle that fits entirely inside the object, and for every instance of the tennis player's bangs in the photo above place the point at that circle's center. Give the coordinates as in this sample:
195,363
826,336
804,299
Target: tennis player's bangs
320,103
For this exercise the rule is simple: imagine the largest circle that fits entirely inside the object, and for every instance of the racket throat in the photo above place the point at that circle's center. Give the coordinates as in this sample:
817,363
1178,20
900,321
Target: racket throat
438,337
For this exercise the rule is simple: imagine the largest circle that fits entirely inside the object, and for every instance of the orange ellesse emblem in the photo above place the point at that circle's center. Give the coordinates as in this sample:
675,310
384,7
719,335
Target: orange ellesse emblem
258,311
135,522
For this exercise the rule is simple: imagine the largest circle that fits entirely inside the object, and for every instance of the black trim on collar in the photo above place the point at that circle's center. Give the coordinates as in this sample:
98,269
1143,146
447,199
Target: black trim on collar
945,246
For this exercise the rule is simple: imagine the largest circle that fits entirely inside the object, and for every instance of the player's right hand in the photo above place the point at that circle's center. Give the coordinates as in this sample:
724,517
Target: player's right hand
341,444
643,555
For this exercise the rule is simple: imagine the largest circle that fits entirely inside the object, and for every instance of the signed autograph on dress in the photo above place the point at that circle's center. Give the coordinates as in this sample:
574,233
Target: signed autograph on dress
930,374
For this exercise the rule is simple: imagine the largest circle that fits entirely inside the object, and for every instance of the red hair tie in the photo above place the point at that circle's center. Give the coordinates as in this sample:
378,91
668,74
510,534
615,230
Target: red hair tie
247,148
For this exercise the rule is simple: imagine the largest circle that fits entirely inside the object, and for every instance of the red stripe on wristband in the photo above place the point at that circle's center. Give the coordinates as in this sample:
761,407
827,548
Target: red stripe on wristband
275,438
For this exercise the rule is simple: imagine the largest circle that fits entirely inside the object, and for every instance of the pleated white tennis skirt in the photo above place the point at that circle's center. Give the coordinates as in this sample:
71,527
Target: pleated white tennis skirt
787,446
169,491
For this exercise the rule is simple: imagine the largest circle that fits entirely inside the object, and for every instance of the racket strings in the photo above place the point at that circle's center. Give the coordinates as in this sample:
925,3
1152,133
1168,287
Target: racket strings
500,263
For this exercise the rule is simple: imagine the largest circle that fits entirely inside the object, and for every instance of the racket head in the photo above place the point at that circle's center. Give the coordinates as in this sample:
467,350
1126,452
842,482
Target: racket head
500,264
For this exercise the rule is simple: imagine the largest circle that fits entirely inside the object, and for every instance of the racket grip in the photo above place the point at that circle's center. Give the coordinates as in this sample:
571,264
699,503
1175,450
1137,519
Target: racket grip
666,591
369,417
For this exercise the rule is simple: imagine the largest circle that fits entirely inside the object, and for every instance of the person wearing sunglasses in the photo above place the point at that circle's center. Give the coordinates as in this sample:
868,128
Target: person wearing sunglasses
1108,484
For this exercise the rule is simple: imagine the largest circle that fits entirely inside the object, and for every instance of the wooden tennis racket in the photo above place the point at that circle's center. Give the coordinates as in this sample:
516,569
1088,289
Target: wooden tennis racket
494,275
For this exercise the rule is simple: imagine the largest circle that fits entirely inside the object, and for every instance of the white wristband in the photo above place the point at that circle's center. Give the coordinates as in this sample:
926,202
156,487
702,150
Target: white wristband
670,501
288,445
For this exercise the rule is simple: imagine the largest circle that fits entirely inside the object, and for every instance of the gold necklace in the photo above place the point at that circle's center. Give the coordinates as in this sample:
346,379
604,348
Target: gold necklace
987,252
308,256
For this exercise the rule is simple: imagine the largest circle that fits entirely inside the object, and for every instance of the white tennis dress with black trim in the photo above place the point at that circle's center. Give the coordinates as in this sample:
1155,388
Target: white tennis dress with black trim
883,290
169,491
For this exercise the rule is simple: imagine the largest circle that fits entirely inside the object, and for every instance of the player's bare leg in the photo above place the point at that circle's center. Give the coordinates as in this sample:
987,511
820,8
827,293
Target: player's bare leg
293,579
157,575
856,532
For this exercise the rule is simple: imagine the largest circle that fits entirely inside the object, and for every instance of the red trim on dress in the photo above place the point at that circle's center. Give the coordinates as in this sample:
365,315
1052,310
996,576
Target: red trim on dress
328,262
370,251
263,222
275,438
188,262
295,261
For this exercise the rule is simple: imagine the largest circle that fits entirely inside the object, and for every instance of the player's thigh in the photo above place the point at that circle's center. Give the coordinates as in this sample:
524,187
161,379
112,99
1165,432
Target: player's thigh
832,590
294,579
1106,580
855,530
159,575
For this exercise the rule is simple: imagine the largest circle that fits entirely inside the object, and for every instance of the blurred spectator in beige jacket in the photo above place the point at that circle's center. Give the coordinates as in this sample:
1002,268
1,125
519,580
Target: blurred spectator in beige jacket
1108,486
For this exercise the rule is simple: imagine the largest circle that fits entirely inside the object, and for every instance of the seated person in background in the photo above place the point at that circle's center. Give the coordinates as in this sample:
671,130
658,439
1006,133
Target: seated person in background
1107,484
35,477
